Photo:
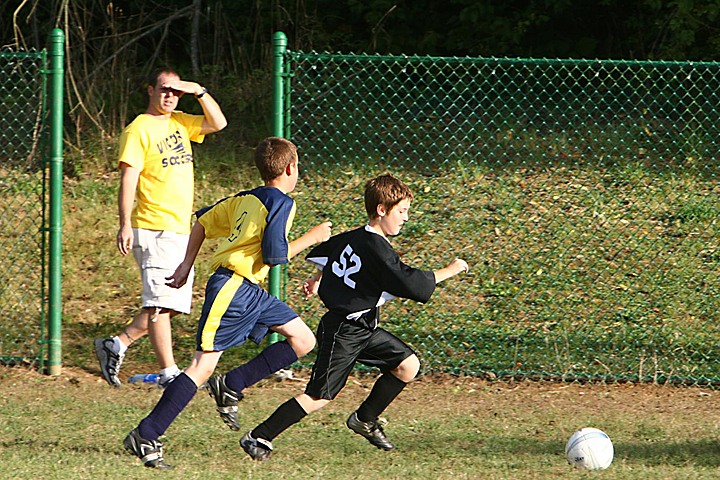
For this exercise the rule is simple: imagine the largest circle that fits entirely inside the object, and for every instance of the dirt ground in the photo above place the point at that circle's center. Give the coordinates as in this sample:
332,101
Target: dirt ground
446,392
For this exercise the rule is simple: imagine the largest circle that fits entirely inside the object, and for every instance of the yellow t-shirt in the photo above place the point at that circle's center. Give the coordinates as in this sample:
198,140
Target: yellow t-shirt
161,150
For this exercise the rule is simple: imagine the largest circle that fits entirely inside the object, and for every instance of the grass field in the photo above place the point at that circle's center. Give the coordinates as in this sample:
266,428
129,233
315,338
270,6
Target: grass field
574,272
443,427
526,266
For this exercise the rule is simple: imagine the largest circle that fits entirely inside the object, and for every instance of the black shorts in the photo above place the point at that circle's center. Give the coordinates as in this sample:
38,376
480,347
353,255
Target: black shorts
343,342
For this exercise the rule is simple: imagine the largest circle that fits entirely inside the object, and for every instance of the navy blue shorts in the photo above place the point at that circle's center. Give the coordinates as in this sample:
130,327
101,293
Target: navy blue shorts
236,309
343,342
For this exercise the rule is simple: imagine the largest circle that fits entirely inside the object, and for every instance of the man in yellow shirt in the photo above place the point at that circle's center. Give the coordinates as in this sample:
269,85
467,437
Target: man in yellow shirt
155,206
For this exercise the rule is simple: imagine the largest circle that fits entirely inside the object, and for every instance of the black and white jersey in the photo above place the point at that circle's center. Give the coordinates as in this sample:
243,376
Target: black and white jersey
361,271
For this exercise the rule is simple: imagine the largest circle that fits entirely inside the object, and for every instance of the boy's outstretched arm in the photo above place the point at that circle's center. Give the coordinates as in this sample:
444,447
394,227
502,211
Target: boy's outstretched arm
311,285
456,266
317,234
197,237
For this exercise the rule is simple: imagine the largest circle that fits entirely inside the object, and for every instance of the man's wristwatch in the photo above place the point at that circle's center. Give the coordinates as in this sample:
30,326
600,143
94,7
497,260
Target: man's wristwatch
202,92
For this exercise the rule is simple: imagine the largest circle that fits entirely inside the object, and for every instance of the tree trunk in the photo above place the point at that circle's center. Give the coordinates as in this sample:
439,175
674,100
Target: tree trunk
195,39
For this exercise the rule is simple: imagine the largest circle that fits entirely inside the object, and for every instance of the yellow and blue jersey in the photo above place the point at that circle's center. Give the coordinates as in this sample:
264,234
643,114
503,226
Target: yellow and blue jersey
254,228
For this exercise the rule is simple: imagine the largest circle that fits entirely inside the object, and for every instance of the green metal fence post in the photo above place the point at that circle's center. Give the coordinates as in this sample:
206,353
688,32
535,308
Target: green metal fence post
57,43
279,48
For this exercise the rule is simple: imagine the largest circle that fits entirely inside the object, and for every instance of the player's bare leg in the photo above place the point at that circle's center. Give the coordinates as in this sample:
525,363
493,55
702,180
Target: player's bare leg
408,369
310,404
298,335
202,366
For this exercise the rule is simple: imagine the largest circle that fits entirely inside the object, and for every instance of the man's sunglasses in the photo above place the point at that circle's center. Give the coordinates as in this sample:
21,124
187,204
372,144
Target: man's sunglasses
177,93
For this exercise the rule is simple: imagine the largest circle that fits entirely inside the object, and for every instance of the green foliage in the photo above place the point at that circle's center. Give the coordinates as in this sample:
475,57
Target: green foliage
575,272
226,45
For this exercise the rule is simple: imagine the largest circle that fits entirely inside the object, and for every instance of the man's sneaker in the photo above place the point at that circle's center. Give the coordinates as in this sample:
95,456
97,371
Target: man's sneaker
149,451
164,382
110,361
370,430
258,448
226,400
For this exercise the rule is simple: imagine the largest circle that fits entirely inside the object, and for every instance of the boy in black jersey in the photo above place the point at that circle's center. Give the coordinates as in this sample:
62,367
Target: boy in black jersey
360,271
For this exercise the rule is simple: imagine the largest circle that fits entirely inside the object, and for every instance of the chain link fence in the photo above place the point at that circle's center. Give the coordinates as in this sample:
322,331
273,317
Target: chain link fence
583,194
23,199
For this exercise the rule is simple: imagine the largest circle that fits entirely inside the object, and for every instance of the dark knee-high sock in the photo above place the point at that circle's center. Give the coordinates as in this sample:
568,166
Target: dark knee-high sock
286,415
173,400
273,358
386,388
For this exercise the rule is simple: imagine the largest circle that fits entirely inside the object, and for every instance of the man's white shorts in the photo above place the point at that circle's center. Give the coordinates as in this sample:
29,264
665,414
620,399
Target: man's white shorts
158,254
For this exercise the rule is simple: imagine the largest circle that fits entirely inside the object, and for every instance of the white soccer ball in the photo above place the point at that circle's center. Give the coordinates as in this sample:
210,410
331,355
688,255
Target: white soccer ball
589,448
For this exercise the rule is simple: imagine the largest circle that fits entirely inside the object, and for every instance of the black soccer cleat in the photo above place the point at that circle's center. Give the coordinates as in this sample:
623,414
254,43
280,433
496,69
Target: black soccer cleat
258,448
109,360
149,451
226,400
370,430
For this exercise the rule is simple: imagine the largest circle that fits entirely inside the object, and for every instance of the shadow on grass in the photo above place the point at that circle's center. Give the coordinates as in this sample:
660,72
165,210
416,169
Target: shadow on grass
702,452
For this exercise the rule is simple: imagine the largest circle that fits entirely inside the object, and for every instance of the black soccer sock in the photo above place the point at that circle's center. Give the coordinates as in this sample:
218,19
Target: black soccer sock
273,358
286,415
173,400
386,388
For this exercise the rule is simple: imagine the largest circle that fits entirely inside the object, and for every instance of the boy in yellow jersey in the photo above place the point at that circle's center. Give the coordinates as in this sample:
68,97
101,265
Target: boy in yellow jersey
155,207
253,226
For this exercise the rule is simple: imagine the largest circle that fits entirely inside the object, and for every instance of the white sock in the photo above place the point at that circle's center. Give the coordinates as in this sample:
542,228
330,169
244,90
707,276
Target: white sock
169,372
119,347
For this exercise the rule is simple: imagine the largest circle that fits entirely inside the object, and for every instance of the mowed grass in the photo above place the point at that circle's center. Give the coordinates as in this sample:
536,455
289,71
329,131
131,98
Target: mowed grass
564,261
72,426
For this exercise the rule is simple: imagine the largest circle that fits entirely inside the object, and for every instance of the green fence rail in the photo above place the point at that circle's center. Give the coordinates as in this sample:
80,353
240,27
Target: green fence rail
30,205
583,193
